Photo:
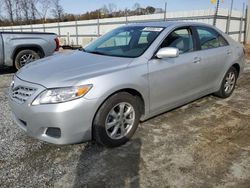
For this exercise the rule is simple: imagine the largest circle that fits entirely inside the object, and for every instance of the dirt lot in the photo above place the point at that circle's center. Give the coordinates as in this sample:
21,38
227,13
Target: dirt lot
203,144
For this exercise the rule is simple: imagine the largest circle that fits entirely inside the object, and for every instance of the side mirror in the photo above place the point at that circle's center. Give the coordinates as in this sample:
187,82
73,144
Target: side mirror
167,52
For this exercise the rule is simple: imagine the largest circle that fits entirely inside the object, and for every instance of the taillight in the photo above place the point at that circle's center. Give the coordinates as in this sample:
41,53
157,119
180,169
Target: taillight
57,44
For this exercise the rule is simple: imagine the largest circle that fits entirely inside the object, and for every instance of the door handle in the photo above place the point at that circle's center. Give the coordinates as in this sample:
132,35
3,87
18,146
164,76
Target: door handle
197,60
229,52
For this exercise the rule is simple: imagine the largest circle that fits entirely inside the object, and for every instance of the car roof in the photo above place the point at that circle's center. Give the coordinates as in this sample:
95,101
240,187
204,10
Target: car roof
169,23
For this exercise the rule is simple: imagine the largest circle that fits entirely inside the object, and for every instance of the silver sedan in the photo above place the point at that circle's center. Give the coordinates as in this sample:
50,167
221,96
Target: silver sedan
128,75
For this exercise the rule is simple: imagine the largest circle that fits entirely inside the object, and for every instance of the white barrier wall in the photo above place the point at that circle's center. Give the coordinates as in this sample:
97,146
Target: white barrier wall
82,32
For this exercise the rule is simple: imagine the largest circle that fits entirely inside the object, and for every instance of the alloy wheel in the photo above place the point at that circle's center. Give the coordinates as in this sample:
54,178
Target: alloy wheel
120,120
230,82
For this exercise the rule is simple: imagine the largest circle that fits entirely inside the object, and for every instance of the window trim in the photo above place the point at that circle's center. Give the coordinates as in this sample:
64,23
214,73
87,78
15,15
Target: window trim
208,28
190,28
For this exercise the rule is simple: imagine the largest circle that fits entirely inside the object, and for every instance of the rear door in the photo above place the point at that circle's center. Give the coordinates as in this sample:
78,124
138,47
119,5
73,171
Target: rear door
215,52
1,50
174,80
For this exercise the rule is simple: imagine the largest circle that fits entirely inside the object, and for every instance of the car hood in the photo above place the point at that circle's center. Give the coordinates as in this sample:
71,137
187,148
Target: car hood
64,69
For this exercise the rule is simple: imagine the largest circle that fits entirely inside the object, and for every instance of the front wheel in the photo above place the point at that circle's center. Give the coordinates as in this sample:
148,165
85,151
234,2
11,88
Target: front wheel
228,83
117,120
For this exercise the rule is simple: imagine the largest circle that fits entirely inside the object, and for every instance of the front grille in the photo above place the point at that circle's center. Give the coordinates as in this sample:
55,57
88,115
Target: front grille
22,93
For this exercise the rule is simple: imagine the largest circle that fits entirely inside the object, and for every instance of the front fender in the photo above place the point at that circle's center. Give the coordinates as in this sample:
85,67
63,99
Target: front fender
135,78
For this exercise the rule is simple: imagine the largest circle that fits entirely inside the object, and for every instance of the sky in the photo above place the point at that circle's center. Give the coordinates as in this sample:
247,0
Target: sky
82,6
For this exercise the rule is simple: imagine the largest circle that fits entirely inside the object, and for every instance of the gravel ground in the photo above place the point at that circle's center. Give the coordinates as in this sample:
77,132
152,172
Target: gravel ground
203,144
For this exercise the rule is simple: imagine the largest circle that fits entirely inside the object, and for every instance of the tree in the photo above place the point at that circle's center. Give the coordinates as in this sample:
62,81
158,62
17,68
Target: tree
112,8
44,7
25,9
57,10
136,6
9,7
33,9
36,11
18,13
104,10
150,10
1,11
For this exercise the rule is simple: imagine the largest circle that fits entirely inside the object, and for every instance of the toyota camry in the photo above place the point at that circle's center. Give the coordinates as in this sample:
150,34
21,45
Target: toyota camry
128,75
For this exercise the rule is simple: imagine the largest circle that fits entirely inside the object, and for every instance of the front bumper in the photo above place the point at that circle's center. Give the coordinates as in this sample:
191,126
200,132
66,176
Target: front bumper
73,118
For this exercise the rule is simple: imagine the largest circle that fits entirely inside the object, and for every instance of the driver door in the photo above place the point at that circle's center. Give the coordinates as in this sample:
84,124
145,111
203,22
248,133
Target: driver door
173,81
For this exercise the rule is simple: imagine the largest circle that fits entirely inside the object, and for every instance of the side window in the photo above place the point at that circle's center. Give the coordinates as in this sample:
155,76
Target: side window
181,39
210,38
222,41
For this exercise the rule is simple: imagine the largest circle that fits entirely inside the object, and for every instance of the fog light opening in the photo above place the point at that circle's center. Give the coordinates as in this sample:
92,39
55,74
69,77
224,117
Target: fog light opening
23,122
53,132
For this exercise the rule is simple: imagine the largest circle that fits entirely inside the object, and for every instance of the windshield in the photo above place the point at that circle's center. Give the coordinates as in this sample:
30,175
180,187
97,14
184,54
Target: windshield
130,41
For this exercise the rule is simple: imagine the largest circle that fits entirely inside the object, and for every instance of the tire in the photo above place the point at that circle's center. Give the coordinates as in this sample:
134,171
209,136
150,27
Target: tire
121,114
229,81
24,57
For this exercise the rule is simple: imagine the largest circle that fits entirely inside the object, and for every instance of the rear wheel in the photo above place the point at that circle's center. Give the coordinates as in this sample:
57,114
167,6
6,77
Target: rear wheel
117,120
24,57
228,83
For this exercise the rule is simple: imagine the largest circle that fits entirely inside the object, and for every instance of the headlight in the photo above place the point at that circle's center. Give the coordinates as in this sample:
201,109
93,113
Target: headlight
58,95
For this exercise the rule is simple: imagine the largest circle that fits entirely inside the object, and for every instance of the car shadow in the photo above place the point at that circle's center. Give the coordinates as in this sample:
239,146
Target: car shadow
109,167
7,70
